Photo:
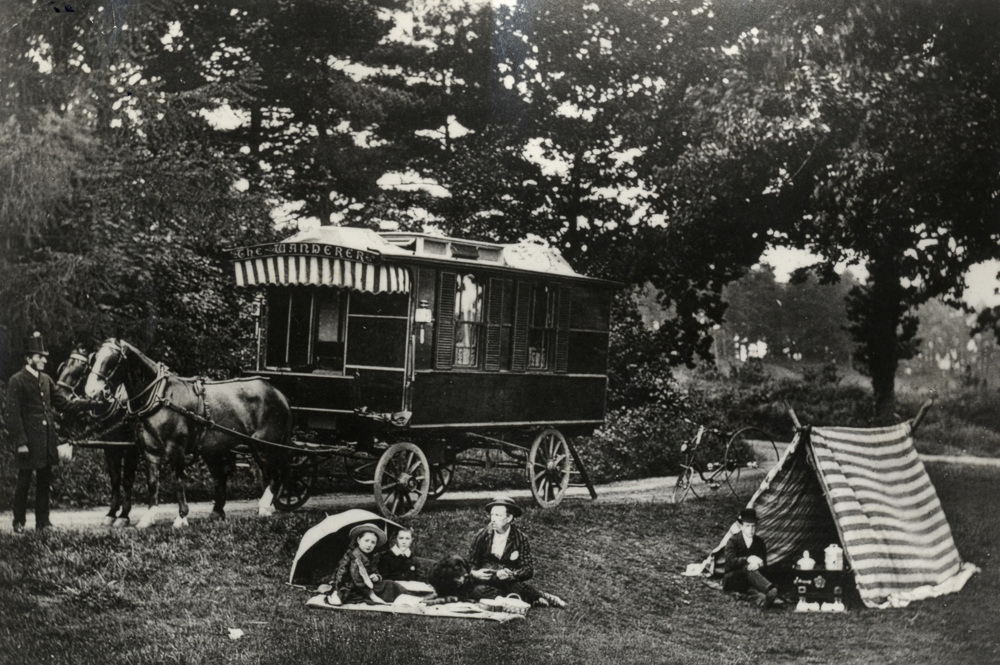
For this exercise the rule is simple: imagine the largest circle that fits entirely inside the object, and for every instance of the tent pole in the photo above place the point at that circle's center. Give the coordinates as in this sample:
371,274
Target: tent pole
920,414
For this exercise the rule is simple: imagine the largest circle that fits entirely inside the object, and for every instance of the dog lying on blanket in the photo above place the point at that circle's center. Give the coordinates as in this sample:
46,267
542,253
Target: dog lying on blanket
451,580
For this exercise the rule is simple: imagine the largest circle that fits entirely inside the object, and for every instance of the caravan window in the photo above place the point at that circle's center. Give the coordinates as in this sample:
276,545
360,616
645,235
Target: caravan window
468,320
328,352
305,328
541,326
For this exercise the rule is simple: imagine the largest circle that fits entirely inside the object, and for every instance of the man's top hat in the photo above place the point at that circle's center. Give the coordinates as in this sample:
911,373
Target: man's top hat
35,345
748,516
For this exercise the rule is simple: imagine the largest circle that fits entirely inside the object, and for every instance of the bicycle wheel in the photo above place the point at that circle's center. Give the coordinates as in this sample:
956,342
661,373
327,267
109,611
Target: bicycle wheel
742,452
683,485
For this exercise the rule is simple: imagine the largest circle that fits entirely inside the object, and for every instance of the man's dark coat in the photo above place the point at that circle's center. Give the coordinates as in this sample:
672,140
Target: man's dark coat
30,419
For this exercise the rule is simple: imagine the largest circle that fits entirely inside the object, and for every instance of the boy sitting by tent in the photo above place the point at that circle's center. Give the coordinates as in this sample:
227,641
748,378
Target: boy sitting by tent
746,557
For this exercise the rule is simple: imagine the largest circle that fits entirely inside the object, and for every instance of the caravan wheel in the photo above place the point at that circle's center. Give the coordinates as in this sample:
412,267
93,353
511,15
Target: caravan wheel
402,481
549,468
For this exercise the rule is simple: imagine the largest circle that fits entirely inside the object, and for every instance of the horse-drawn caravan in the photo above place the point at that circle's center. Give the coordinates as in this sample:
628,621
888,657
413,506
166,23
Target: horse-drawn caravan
406,355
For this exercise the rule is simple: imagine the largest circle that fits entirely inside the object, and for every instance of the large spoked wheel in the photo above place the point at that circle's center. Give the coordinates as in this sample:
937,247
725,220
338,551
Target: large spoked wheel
549,465
742,452
441,477
298,483
402,481
361,470
683,486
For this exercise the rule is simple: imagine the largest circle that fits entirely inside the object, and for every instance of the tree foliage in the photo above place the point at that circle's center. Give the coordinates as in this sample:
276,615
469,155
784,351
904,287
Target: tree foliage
662,142
865,132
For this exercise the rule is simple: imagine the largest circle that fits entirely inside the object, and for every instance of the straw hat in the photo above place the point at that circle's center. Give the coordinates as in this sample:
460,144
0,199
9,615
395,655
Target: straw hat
369,528
513,509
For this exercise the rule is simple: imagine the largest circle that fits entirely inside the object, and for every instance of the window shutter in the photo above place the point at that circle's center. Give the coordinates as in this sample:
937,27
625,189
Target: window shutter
444,356
522,311
562,330
494,311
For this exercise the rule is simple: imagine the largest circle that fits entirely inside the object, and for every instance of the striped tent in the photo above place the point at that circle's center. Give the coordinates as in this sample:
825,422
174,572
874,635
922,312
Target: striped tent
867,490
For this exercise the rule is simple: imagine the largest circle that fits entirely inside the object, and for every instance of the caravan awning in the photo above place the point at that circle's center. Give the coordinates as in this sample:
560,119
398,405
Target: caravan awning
321,271
328,256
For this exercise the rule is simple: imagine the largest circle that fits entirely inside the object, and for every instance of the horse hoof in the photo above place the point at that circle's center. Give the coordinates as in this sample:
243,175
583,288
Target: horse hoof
108,521
180,522
265,512
122,522
217,515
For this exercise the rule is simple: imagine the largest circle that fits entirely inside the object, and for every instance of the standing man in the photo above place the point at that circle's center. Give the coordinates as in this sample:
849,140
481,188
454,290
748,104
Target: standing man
31,423
746,557
500,558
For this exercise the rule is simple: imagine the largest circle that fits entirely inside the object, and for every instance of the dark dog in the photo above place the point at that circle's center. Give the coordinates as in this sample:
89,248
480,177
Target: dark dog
450,578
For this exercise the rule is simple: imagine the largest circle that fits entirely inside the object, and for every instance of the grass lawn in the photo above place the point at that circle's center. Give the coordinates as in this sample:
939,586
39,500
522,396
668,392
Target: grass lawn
165,596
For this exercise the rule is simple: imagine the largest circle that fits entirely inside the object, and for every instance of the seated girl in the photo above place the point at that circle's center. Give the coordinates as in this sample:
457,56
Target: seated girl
399,562
357,579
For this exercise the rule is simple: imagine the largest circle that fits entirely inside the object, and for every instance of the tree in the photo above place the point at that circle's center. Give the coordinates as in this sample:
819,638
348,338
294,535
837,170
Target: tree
129,240
865,132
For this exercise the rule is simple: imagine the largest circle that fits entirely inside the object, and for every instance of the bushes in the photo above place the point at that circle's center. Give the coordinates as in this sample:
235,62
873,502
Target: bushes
963,423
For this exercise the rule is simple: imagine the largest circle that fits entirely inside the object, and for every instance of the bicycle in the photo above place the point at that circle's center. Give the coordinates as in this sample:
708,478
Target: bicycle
737,455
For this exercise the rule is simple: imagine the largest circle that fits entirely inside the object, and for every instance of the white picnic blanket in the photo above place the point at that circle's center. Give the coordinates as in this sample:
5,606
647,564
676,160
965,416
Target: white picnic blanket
414,606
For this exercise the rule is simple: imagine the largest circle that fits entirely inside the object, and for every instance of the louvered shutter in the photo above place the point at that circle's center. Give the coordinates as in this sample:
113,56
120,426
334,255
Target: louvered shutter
562,330
494,312
522,312
444,355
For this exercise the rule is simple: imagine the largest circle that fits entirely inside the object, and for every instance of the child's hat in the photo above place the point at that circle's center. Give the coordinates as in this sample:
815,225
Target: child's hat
369,528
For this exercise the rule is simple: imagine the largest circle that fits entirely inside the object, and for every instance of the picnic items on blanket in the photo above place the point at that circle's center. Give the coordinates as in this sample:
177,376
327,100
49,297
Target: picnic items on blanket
511,604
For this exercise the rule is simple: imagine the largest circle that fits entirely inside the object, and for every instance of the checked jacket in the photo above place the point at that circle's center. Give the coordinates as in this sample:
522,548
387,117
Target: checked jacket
516,555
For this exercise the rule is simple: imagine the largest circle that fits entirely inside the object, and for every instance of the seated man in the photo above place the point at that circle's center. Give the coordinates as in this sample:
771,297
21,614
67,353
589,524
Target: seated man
500,558
746,556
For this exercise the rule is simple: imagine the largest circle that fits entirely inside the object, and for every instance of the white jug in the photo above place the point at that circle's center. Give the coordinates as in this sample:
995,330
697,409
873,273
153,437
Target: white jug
806,562
834,557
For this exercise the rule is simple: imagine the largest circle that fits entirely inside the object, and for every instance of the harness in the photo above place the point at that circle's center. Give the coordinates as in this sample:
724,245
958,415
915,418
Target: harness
152,397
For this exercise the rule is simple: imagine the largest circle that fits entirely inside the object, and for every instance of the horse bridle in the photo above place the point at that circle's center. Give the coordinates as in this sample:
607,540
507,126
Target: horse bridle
80,358
120,352
153,401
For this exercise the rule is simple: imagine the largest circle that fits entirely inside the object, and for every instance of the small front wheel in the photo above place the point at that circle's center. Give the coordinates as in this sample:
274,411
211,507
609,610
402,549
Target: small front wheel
684,482
441,477
361,470
402,481
296,488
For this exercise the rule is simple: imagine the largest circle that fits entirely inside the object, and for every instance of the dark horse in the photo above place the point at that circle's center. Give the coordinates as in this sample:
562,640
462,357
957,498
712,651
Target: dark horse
180,418
108,426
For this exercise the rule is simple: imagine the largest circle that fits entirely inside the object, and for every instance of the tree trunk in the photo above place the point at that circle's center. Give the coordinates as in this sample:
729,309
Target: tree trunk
882,344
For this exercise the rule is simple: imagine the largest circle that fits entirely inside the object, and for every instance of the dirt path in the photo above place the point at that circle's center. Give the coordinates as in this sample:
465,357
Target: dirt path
622,492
